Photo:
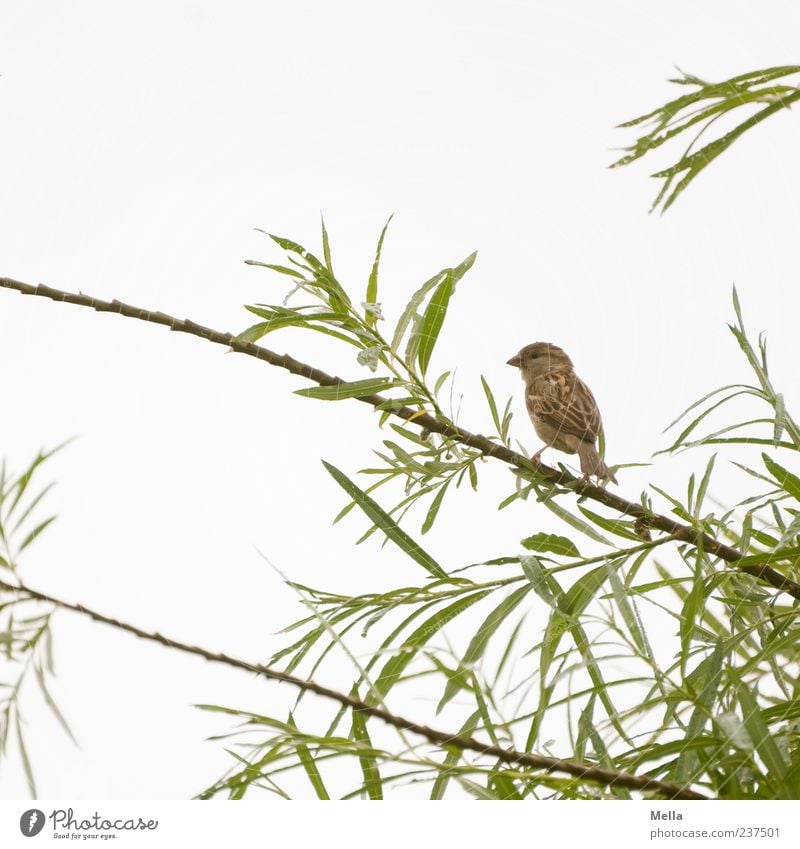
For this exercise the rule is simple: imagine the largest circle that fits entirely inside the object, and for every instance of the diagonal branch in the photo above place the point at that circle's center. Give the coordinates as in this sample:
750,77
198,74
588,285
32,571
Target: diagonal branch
596,775
684,533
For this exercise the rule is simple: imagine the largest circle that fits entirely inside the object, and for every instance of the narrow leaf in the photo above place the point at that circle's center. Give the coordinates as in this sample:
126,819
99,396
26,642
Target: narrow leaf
35,533
326,248
483,635
393,668
26,761
787,481
385,523
419,296
309,765
762,738
433,510
372,283
354,389
551,542
369,763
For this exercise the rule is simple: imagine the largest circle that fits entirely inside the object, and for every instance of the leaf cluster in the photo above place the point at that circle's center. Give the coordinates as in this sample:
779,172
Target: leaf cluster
598,644
695,113
25,634
715,708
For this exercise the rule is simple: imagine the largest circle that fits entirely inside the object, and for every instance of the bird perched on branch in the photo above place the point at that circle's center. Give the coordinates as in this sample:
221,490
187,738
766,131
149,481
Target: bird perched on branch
561,406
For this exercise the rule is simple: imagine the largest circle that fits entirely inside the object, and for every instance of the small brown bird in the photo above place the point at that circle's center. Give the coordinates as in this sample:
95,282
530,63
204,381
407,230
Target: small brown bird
561,406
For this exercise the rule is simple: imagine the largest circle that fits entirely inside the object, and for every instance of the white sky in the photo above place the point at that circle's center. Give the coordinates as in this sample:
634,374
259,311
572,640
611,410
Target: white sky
140,146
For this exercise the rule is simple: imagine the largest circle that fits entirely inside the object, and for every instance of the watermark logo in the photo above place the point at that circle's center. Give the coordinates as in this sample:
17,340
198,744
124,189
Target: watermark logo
31,822
64,823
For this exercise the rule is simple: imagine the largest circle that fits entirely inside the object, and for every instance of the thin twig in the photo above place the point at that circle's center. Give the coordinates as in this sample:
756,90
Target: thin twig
681,532
596,775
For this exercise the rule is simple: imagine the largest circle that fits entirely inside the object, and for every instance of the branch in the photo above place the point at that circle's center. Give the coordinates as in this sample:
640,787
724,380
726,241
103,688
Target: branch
606,777
681,532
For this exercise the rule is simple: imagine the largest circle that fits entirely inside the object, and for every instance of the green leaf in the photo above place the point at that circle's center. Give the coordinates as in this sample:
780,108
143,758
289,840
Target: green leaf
693,607
394,667
427,331
405,460
309,764
369,763
326,248
501,423
354,389
334,324
385,523
35,533
453,757
626,608
791,532
578,596
681,439
433,510
323,277
492,404
703,680
763,739
569,606
419,296
701,490
614,526
410,313
503,785
780,418
700,108
786,480
575,521
440,382
281,269
473,476
475,790
52,705
26,761
411,436
372,283
541,579
694,163
293,247
479,642
551,542
21,483
744,386
30,507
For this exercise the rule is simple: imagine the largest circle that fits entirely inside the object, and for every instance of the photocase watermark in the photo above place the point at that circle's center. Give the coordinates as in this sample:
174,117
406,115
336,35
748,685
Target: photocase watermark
66,825
31,822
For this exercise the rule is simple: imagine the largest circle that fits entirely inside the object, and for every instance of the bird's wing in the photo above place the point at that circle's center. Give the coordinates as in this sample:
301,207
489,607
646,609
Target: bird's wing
563,401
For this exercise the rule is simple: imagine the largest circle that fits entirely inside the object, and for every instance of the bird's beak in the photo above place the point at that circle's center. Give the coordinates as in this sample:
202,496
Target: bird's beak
514,361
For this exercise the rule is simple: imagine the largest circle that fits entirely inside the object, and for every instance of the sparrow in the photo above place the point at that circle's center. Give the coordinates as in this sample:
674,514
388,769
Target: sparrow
561,406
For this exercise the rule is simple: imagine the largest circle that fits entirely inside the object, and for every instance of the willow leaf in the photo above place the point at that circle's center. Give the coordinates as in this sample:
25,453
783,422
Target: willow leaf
385,523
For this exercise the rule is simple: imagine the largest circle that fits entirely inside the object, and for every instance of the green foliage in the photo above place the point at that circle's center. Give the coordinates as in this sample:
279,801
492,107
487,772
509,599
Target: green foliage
696,112
383,521
608,644
551,643
25,635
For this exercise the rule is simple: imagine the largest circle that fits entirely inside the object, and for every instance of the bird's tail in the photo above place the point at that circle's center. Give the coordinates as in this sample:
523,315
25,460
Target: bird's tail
592,463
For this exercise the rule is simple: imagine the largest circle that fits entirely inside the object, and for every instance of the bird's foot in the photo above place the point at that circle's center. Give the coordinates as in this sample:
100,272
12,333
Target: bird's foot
536,459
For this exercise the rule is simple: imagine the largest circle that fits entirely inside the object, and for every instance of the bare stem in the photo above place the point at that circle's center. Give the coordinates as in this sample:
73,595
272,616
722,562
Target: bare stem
593,774
683,533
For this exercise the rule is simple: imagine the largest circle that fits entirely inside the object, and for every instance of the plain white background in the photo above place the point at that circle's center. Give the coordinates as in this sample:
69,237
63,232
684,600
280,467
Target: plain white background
140,147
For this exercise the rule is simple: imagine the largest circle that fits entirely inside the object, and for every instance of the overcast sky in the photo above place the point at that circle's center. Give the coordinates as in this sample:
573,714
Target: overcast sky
143,143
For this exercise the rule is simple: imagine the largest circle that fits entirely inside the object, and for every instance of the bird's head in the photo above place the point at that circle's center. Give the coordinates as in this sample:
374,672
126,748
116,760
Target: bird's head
540,358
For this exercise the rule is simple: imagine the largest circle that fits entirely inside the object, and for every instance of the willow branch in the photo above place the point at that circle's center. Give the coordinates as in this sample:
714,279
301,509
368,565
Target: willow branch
682,532
593,774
